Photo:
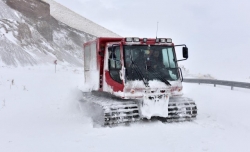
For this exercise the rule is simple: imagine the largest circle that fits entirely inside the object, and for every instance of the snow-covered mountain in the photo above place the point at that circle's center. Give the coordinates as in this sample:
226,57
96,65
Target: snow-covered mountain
77,21
29,35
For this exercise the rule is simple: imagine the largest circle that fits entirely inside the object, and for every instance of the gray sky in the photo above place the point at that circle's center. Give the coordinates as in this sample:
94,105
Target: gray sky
217,33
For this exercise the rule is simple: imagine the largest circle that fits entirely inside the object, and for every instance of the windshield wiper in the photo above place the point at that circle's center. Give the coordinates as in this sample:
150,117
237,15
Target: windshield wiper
160,77
138,71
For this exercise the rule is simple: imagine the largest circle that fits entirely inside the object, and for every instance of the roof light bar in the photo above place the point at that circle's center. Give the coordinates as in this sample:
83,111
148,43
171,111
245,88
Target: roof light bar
163,40
132,39
145,40
136,39
129,39
169,40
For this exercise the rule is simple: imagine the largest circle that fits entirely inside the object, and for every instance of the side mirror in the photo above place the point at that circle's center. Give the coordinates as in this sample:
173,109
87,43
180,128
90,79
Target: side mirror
185,52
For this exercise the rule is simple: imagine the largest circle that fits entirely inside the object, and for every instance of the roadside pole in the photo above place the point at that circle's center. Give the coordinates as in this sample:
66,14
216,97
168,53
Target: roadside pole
55,62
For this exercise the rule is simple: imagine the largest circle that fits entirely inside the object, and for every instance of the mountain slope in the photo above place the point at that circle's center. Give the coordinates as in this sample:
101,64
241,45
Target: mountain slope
77,21
29,35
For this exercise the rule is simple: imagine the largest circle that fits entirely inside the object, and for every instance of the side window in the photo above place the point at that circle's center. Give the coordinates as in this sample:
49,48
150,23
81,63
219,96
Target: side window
115,63
115,59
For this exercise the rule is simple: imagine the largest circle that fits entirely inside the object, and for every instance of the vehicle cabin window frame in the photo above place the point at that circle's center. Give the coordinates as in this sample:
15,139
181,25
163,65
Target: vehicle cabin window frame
114,63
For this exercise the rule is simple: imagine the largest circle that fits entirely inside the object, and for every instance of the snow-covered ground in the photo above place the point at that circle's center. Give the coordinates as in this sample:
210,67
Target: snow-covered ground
39,112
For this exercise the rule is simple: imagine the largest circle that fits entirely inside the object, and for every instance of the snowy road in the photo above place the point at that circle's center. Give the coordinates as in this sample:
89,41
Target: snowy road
39,112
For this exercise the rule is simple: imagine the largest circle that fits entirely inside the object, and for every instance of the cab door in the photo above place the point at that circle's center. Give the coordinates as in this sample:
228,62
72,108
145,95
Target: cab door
113,68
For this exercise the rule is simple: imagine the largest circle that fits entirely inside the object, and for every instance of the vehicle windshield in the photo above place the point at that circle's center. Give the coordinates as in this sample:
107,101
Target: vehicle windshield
155,62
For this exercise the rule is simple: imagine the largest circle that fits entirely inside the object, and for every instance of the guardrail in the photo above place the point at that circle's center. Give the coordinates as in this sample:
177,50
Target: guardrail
232,84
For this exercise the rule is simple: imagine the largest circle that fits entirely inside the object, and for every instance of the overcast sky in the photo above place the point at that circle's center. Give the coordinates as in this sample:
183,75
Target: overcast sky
217,33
